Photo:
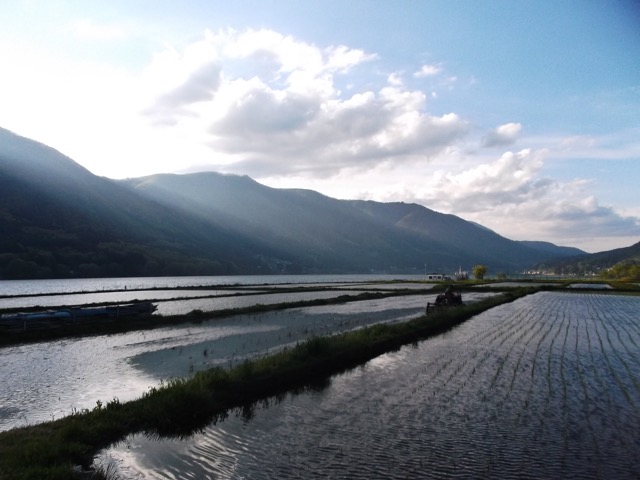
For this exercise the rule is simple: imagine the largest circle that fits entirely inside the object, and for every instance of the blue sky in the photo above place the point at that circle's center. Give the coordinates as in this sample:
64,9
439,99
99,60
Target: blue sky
522,116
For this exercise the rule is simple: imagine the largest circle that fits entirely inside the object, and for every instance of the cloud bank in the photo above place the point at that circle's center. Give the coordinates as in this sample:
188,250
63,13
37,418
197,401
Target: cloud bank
510,194
293,114
275,106
331,118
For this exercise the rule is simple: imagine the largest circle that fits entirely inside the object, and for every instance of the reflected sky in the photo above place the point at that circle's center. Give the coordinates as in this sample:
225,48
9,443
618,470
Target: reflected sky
543,387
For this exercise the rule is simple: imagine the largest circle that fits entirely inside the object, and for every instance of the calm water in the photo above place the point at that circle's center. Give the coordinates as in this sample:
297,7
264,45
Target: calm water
16,294
545,387
173,302
48,380
39,287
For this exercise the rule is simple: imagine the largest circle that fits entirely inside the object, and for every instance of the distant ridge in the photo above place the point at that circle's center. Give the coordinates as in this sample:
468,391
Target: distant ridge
60,221
591,263
554,250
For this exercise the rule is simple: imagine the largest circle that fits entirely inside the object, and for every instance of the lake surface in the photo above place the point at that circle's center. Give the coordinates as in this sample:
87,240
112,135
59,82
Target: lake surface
545,387
75,285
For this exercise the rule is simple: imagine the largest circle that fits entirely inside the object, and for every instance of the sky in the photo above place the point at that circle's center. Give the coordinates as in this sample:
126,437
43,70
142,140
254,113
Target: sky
522,116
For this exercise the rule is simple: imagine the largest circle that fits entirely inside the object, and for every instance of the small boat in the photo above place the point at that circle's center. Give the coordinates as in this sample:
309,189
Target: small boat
48,319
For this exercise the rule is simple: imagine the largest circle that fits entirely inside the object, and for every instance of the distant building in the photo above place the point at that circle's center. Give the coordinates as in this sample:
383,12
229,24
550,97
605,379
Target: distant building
438,277
460,275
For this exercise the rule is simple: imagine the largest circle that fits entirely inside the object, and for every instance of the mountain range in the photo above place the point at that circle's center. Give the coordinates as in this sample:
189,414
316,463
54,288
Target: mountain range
59,220
594,262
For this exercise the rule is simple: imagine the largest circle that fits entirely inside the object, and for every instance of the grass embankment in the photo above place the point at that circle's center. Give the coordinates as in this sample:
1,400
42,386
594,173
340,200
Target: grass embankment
128,324
184,406
110,326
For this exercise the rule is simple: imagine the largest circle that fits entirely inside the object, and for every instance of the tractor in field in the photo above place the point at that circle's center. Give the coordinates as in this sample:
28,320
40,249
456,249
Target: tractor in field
445,300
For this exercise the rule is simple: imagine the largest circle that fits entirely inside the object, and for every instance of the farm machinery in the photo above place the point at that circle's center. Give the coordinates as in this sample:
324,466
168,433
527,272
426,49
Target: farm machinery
445,300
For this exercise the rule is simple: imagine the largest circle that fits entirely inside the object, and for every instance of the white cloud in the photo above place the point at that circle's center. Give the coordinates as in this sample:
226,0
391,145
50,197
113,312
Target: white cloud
271,102
199,86
428,71
504,135
87,29
509,180
342,59
511,196
622,145
576,219
395,79
261,103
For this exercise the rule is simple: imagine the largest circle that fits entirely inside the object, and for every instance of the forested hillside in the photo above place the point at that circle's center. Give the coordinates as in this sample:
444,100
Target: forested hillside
598,263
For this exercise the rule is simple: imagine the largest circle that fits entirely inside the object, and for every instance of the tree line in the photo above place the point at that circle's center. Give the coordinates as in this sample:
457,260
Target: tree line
627,270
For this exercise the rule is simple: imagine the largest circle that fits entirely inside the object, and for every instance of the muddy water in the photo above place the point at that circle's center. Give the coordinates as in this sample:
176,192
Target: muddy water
545,387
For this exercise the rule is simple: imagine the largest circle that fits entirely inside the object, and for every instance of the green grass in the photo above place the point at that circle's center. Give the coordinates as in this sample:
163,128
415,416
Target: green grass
195,316
185,406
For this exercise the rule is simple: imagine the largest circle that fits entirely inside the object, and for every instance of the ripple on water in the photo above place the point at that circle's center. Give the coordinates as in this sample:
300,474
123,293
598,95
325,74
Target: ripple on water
52,379
522,391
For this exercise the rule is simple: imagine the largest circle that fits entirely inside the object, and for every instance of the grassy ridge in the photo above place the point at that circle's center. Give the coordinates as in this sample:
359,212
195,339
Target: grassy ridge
155,321
184,406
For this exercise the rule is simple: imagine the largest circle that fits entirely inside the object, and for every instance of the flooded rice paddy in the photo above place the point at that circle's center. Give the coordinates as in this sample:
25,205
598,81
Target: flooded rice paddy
181,295
74,285
545,387
47,380
178,302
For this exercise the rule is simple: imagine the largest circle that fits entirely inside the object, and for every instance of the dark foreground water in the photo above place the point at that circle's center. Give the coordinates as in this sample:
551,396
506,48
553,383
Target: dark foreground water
545,387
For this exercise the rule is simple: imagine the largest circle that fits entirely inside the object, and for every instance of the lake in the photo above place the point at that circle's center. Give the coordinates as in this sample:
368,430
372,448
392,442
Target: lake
74,285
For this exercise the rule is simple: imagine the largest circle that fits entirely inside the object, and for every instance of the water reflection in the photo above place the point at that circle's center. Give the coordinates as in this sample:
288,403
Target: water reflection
75,285
180,302
46,380
545,387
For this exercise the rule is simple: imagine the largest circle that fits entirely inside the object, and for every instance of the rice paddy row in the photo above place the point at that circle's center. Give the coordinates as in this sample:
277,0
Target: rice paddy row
184,406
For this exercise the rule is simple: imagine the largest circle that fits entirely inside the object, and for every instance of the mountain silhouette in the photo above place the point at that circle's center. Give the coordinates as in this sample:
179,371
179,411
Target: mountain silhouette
59,220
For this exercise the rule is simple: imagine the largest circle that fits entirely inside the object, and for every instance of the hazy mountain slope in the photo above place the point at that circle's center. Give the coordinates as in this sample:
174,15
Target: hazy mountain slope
594,262
325,233
58,219
339,234
617,255
554,250
475,241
